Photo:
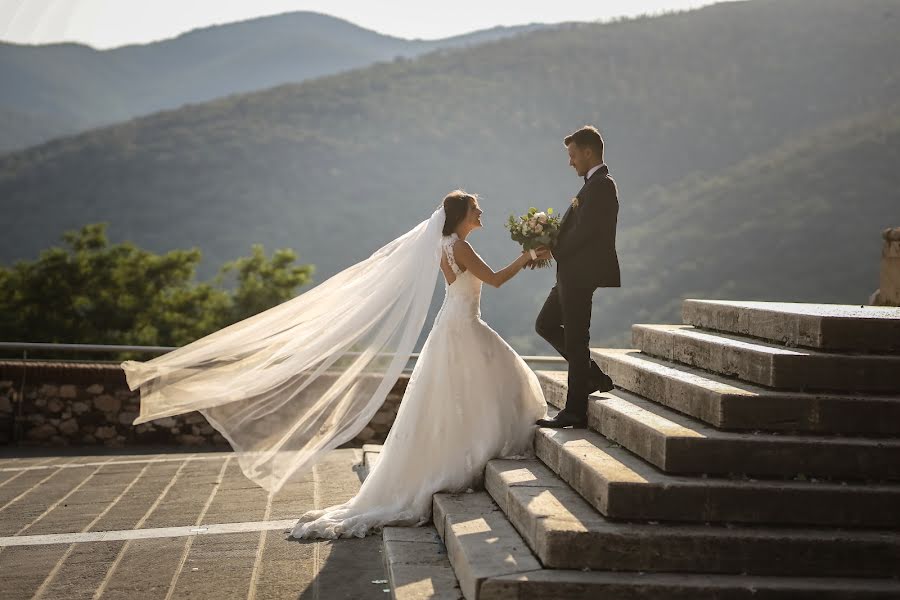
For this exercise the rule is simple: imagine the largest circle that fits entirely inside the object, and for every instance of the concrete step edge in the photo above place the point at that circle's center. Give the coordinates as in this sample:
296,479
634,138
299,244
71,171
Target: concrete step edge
481,543
592,585
623,486
769,364
829,327
733,404
416,562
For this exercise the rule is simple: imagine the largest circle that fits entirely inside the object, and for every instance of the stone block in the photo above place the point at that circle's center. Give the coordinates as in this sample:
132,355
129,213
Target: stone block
94,389
68,391
622,486
105,433
127,418
832,327
41,432
48,389
194,418
728,403
107,403
768,364
678,444
79,408
68,427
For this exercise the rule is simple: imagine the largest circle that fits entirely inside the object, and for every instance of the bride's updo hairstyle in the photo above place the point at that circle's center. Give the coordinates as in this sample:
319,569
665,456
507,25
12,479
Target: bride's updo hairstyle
456,207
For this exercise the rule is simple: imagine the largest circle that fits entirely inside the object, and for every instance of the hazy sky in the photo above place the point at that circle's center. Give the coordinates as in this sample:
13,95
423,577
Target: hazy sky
109,23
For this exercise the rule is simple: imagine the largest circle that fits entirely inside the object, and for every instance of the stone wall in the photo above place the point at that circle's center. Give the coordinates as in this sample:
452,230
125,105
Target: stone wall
89,404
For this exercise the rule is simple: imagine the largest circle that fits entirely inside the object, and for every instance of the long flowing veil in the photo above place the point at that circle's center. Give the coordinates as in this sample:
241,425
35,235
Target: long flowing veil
289,384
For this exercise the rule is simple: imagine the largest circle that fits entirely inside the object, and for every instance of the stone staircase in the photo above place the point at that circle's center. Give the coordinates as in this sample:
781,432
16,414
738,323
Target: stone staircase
753,451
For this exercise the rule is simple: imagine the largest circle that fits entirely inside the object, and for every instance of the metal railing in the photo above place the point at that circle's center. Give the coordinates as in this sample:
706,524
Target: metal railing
26,346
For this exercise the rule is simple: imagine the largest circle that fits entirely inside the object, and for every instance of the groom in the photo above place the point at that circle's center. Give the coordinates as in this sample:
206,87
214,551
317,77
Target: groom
586,259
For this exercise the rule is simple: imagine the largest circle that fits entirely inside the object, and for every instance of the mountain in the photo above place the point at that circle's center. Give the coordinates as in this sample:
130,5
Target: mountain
337,166
63,88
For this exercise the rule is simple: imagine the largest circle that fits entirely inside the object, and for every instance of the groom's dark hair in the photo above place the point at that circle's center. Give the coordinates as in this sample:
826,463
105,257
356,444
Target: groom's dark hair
587,137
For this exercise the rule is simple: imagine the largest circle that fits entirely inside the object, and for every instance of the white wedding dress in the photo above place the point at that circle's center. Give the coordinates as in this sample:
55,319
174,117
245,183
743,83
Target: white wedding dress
470,398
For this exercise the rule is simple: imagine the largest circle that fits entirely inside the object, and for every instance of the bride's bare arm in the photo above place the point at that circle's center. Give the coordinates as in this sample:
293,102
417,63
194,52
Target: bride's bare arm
466,257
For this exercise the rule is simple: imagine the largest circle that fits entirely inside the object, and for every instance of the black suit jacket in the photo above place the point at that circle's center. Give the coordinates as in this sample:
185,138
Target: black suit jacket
585,250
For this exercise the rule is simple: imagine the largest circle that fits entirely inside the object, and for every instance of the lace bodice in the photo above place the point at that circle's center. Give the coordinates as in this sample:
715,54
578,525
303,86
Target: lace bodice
447,244
463,297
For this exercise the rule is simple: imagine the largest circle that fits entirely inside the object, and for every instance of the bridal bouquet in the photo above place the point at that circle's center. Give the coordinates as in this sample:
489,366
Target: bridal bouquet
534,229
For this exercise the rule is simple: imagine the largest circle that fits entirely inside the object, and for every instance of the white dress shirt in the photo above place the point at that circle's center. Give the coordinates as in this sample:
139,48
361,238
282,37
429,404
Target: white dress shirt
591,172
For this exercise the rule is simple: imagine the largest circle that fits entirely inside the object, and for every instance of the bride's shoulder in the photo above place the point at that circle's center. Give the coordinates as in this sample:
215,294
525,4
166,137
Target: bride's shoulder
459,245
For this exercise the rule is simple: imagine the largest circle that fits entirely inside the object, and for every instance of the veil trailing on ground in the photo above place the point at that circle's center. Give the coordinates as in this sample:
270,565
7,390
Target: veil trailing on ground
289,384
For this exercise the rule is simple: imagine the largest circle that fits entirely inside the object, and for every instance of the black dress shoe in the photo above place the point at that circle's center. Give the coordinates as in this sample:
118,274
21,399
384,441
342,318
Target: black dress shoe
602,384
563,420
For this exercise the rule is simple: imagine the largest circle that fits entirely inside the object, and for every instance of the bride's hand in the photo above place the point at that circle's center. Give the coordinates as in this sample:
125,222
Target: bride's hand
543,253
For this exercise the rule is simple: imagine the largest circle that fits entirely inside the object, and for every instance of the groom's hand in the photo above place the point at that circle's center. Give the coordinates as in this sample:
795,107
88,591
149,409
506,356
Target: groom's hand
543,253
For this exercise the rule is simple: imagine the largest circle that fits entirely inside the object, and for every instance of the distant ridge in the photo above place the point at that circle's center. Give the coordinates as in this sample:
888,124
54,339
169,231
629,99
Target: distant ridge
59,89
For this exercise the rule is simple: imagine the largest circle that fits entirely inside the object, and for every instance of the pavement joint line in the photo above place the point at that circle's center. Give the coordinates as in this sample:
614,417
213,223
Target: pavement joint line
26,492
254,574
72,465
56,568
14,477
119,535
190,540
98,593
60,501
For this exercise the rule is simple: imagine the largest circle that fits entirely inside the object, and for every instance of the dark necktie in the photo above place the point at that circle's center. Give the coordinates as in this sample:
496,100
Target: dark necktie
585,178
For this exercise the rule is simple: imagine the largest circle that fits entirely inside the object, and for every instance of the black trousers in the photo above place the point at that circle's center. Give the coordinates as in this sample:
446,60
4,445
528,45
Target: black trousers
565,322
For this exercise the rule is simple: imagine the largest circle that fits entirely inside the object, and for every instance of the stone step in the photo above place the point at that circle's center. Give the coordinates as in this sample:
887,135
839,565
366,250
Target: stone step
853,328
565,532
595,585
736,405
480,541
415,560
679,444
622,486
769,364
573,584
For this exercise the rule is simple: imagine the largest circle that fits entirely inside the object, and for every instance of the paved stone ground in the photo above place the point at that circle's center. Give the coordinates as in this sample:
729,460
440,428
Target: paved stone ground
173,525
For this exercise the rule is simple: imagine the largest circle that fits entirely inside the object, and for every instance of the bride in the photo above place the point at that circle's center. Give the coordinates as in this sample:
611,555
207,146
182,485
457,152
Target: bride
289,384
470,398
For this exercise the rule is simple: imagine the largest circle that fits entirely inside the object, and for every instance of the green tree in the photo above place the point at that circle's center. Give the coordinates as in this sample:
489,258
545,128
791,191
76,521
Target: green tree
95,292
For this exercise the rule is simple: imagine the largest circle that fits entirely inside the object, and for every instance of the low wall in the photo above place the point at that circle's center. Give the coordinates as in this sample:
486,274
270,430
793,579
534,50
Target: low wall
89,404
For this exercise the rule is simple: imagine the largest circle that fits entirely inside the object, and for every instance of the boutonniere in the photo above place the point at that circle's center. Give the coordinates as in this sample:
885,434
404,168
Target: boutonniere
575,202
